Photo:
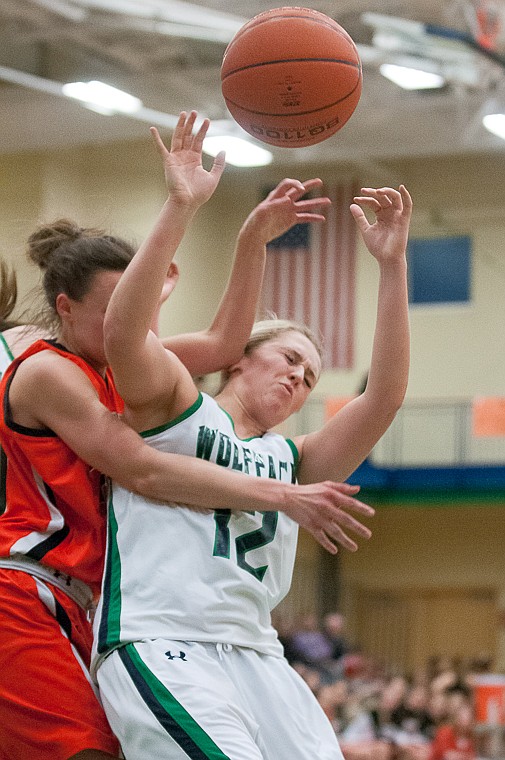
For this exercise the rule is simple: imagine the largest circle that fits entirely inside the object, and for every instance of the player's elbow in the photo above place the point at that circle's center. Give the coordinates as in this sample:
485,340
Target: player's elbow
229,350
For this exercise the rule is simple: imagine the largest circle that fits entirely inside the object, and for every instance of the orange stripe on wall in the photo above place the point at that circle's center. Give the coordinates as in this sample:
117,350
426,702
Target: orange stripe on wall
334,404
488,416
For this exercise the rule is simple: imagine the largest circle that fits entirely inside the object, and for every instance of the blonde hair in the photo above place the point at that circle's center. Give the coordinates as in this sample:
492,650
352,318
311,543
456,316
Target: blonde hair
8,296
269,329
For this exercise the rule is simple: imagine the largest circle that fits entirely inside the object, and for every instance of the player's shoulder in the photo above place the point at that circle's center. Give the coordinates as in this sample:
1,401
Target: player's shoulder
48,371
20,337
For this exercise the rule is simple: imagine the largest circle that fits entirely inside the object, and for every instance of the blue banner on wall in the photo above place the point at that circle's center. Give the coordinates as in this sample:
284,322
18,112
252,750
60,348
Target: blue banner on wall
440,270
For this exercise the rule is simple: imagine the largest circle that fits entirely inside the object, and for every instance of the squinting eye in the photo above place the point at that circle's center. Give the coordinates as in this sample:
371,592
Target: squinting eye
309,386
290,358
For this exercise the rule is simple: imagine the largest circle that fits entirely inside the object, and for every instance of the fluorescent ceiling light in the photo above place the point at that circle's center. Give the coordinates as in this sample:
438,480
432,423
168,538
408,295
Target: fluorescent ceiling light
102,97
495,123
239,152
411,79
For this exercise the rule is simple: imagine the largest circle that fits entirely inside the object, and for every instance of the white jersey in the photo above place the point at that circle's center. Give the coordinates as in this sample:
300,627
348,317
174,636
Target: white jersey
174,573
6,355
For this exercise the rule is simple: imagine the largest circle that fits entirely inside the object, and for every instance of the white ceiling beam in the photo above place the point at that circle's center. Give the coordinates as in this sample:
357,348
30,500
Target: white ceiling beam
70,11
175,11
147,115
169,29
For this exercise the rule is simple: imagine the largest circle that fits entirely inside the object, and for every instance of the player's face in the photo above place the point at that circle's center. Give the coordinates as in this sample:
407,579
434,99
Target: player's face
82,321
280,374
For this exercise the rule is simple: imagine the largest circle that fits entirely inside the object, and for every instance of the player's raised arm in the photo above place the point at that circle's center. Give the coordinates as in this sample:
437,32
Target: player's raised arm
347,438
132,350
223,342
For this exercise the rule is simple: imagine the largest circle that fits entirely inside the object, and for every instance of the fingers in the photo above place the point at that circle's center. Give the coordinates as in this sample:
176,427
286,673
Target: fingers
286,186
406,198
201,134
384,198
219,164
307,211
182,136
359,216
294,188
160,145
343,519
187,130
331,535
325,542
323,510
308,218
312,203
178,133
311,184
348,502
334,525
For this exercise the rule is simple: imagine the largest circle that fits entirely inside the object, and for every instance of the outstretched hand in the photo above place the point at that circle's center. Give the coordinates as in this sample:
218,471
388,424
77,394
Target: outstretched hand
386,237
323,510
283,208
188,182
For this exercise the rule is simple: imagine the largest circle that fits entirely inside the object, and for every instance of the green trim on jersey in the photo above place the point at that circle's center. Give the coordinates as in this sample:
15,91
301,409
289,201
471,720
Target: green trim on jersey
233,426
6,346
189,411
168,711
296,456
109,634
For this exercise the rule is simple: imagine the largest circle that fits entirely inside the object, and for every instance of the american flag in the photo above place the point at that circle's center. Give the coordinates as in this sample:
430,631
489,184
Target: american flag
310,277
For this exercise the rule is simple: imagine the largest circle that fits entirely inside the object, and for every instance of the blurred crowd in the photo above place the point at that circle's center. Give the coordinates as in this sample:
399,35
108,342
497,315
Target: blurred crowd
381,715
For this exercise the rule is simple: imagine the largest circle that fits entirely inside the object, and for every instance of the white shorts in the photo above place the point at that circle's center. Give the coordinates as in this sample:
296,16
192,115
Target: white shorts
177,700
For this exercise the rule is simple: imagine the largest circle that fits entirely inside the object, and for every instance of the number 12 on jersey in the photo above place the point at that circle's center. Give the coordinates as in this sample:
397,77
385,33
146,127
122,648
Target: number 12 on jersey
246,542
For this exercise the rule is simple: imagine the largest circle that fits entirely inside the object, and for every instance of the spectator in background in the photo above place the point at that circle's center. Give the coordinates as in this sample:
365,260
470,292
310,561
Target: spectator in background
285,631
479,665
309,644
412,717
333,629
454,740
311,676
443,673
351,719
438,710
390,700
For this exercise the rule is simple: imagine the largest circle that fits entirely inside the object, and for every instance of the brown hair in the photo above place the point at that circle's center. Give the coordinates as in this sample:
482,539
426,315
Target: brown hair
69,257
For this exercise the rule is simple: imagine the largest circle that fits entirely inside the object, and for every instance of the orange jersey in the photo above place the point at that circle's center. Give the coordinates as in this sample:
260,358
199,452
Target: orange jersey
49,709
55,510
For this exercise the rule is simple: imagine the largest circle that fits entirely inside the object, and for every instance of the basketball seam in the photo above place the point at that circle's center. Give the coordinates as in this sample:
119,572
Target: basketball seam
295,113
343,61
248,27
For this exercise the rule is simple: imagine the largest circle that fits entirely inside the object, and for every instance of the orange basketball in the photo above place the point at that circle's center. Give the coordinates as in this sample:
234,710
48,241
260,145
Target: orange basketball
291,77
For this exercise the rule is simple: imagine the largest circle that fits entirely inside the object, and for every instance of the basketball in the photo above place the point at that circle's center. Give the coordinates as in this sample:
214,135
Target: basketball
291,77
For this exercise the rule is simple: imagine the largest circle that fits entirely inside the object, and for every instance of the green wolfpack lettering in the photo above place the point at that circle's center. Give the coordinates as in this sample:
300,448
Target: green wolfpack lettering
241,458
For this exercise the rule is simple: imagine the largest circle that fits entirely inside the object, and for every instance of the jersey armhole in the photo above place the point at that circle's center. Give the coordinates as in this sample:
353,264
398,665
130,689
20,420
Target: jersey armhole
296,456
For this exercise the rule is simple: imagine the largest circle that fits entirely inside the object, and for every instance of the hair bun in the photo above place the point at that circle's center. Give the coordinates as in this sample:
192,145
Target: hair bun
48,237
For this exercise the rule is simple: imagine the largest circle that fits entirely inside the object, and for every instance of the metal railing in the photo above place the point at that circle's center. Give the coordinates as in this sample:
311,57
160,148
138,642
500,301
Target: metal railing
425,433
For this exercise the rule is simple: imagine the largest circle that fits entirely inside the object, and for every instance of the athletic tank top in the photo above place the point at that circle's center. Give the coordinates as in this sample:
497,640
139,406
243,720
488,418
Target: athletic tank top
175,573
55,511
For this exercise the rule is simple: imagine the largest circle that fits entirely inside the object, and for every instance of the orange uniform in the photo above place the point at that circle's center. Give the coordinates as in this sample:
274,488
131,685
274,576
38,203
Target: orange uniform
52,541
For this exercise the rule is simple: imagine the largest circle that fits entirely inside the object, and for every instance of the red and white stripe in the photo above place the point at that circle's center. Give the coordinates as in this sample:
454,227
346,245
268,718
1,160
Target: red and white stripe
317,286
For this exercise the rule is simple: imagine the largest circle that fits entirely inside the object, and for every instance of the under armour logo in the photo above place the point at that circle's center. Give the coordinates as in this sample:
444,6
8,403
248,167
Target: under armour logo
180,656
